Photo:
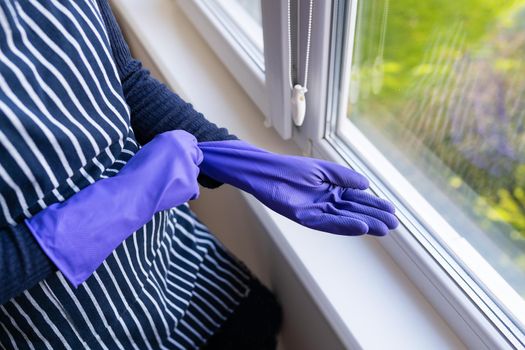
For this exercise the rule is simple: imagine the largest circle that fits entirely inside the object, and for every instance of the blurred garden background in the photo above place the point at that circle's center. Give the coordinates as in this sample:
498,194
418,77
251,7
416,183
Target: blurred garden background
445,82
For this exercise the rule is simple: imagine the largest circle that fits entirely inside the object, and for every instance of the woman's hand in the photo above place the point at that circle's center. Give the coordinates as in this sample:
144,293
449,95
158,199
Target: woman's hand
315,193
79,233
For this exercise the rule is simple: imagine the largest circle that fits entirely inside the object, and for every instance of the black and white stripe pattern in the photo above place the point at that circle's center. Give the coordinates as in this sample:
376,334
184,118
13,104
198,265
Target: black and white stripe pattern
63,125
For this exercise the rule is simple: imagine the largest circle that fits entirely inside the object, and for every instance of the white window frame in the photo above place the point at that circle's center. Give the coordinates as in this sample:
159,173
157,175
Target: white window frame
264,85
227,46
469,311
465,306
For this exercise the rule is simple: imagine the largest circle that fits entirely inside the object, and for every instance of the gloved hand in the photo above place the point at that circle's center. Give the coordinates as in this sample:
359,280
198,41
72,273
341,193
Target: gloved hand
81,232
315,193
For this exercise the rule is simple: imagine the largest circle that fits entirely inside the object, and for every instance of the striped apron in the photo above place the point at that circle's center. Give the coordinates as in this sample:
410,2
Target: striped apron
64,124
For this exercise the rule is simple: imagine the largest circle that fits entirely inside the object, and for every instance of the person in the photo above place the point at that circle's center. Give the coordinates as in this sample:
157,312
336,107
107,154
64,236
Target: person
98,246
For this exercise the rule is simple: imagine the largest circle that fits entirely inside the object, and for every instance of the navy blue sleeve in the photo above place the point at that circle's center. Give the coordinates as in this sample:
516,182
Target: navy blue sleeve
22,262
154,107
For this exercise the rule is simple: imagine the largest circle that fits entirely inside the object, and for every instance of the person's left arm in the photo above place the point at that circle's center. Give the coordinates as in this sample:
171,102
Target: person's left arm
317,194
154,107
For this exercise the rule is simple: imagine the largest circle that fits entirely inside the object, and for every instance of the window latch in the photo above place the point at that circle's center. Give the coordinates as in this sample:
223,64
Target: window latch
298,104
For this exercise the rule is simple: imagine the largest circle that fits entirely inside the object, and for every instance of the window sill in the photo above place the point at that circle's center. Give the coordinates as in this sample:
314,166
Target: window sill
364,295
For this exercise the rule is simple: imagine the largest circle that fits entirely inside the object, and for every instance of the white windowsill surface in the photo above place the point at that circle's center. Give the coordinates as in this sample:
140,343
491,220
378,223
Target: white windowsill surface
363,294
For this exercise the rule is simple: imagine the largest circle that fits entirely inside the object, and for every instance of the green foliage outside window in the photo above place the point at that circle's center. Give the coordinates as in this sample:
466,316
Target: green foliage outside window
445,81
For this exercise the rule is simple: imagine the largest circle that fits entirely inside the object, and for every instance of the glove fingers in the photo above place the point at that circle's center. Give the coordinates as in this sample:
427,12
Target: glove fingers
376,227
368,199
340,225
342,176
325,220
387,218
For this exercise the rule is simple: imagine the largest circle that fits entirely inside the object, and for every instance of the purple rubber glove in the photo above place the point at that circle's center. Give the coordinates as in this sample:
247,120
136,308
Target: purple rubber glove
80,233
315,193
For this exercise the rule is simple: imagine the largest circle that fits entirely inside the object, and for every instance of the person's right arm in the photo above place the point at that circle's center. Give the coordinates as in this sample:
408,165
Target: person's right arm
22,262
72,236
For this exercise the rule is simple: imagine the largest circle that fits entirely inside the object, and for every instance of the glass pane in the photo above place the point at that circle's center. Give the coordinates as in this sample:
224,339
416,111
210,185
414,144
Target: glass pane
245,20
439,87
253,8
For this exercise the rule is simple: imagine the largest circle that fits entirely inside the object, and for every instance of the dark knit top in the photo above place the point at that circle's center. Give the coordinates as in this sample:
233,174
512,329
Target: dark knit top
154,109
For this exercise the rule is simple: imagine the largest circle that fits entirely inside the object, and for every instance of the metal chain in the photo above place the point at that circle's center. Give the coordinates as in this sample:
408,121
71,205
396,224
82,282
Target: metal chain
308,44
289,49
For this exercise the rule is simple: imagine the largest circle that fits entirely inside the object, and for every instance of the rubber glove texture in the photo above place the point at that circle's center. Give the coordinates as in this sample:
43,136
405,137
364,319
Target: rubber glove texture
81,232
315,193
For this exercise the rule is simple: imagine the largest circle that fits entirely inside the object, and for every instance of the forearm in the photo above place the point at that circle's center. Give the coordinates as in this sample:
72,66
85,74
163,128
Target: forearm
22,262
79,233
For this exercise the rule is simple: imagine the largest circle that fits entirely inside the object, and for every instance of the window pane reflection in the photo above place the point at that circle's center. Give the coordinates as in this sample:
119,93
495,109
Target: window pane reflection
439,87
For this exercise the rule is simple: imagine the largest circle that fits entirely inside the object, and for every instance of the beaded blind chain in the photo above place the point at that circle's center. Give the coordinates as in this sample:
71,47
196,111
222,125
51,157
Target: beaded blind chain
298,90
